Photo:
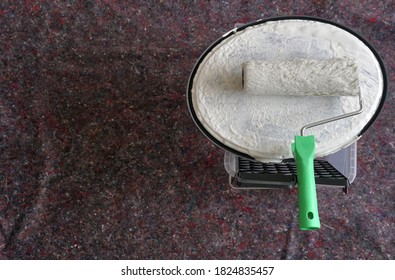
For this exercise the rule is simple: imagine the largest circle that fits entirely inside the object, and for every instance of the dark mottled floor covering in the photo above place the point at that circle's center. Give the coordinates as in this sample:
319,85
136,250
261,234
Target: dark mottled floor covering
99,158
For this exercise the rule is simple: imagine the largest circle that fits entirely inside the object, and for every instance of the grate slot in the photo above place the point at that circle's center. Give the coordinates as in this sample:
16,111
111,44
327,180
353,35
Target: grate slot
284,174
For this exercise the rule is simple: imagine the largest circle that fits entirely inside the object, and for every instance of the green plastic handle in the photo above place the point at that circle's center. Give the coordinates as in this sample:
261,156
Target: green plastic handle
303,150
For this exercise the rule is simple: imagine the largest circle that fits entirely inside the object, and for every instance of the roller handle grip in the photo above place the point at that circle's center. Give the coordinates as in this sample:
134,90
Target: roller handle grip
303,149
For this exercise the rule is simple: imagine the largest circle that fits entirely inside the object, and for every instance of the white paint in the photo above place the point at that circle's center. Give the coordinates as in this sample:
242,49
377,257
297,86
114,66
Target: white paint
324,77
264,126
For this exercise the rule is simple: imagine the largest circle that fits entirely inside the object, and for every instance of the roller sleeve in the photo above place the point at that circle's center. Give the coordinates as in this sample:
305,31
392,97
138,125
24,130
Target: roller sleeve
330,77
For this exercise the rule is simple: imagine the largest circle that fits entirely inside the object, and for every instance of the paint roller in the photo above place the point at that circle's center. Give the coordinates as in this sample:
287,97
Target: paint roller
304,77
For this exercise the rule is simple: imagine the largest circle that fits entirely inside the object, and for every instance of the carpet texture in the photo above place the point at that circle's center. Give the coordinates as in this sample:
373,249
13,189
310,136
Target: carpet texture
99,158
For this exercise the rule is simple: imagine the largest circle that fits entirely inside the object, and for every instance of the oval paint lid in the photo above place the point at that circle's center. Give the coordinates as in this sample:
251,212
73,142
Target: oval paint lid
257,127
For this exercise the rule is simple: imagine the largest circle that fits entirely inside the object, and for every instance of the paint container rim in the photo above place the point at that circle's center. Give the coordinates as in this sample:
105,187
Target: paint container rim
261,21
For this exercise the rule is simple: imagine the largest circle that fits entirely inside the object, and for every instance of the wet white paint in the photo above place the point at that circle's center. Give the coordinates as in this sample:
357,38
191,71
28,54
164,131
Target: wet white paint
263,126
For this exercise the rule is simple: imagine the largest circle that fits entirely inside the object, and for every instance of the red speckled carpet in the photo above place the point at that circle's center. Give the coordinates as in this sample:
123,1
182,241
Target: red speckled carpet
99,158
